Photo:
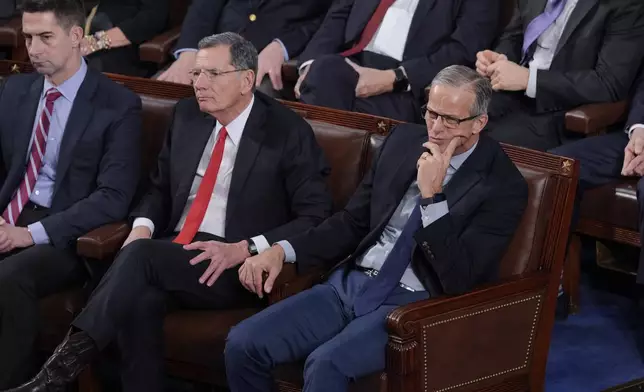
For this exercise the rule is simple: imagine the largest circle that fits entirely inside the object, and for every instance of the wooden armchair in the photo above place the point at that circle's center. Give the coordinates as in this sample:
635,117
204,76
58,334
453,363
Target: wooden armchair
496,337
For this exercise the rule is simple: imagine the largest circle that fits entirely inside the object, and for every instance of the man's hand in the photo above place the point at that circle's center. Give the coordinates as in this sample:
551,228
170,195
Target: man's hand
508,76
179,71
222,256
13,237
432,168
252,271
486,58
303,72
633,154
137,233
270,62
372,82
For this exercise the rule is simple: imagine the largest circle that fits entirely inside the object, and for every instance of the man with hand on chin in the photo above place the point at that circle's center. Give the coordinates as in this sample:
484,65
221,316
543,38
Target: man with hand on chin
421,224
238,171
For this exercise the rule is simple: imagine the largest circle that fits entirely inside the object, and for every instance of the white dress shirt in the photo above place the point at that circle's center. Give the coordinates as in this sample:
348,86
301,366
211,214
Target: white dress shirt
375,256
547,45
214,221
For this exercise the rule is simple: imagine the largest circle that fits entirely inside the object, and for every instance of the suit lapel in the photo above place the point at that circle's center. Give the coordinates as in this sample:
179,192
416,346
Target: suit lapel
469,174
79,118
249,147
28,107
200,129
420,16
582,9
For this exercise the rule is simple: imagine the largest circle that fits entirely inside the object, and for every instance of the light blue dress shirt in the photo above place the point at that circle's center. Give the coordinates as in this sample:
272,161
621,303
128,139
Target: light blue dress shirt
375,256
43,192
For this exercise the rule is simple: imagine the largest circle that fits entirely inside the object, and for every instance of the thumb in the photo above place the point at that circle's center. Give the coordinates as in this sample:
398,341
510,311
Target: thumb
502,57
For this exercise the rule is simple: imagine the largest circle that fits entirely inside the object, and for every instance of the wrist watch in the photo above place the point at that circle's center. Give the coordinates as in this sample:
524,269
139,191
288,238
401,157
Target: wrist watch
252,248
400,83
437,198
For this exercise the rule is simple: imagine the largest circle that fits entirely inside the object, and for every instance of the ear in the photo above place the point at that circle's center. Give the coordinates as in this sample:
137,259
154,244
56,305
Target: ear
77,33
479,123
248,82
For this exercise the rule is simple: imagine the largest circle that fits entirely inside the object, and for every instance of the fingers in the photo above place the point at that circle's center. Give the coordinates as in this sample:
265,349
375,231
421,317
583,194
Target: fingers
483,58
164,76
273,273
628,157
208,272
276,78
638,146
639,169
244,277
215,274
200,257
298,85
452,146
502,57
5,242
2,221
634,163
197,245
261,72
257,280
436,151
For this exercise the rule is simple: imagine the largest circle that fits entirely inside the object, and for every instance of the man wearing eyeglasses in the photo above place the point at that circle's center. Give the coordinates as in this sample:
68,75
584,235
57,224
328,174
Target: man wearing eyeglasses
433,216
238,172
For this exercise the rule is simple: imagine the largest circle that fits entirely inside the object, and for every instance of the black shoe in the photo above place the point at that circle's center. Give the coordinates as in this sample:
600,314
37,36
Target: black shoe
65,364
563,307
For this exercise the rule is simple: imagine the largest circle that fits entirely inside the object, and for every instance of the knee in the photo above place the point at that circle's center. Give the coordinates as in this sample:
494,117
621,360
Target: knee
320,361
640,190
328,69
242,344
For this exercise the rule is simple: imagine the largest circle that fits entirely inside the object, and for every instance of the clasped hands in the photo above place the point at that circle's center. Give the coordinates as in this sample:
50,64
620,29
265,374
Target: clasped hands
505,75
634,154
13,237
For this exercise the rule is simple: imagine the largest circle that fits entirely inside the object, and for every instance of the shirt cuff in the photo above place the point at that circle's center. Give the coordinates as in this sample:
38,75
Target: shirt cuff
179,51
144,222
433,212
279,41
289,252
632,128
260,243
304,65
38,233
531,91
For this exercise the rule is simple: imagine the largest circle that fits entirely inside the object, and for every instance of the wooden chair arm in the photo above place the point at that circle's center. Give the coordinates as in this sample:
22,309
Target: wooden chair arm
484,337
157,50
595,118
103,243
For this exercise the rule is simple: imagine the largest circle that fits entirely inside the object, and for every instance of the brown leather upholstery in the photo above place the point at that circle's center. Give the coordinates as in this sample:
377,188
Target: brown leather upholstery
11,32
595,118
157,50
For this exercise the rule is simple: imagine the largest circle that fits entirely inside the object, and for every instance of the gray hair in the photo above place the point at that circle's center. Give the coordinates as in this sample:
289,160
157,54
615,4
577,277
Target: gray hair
243,54
462,76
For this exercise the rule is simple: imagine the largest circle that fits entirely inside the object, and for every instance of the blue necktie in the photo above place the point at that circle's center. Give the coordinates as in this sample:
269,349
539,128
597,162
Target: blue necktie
377,290
540,24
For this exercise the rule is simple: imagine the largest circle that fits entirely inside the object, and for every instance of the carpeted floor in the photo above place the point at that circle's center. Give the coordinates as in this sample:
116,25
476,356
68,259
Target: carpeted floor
603,345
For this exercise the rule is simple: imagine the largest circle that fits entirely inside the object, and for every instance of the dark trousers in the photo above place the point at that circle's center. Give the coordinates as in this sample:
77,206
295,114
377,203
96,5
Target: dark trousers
601,159
130,304
25,277
513,120
331,82
319,325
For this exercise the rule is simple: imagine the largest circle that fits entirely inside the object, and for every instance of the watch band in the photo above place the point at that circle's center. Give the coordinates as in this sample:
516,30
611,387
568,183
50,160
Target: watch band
400,82
437,198
252,248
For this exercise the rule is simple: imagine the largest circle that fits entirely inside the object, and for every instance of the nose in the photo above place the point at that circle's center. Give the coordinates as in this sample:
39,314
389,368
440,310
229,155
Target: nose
34,47
434,127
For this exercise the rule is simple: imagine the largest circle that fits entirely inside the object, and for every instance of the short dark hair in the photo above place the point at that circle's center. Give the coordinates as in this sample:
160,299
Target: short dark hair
243,54
68,12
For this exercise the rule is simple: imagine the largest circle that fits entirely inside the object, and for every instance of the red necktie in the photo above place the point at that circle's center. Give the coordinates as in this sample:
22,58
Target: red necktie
38,146
200,204
370,29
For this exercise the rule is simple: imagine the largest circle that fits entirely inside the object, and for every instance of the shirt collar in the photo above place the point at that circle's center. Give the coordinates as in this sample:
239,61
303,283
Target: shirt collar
236,127
457,160
69,88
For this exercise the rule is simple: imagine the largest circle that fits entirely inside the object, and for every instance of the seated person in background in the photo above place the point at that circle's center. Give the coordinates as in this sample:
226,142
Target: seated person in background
70,155
115,28
442,187
553,59
605,158
377,56
238,171
279,29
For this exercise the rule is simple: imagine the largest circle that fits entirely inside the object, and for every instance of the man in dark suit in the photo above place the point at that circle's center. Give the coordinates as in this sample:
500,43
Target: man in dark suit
556,55
605,158
279,29
238,172
457,196
377,56
69,150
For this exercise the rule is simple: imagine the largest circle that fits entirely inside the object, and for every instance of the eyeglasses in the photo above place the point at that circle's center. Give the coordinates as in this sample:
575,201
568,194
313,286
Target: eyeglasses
448,121
211,74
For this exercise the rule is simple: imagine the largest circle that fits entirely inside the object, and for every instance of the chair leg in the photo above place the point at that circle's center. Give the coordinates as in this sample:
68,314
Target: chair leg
87,382
571,273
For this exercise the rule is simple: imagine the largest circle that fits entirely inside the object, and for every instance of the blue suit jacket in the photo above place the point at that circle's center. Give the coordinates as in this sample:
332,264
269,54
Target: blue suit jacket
98,162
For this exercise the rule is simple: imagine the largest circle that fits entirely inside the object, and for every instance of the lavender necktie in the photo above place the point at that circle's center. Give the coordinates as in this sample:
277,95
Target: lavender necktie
539,24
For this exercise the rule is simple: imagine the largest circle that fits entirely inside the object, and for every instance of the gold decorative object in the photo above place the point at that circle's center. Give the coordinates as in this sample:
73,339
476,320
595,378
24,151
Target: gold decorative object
382,127
252,17
566,166
15,68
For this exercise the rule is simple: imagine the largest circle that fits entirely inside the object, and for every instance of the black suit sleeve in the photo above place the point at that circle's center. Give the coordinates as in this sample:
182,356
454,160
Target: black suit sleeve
339,236
611,78
636,112
511,41
156,205
305,170
201,20
330,36
299,34
116,181
149,21
475,28
464,259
